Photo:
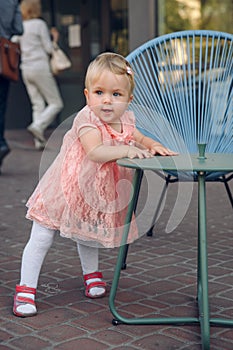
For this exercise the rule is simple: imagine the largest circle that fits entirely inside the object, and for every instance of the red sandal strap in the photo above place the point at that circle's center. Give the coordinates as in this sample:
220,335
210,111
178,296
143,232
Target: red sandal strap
23,300
96,284
99,284
89,276
25,289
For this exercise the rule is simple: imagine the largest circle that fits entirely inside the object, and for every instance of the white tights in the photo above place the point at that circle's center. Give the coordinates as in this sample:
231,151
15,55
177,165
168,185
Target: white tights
34,253
38,246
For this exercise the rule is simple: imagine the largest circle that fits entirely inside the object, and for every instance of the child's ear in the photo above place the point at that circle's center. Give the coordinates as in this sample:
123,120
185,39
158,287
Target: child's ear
131,98
86,94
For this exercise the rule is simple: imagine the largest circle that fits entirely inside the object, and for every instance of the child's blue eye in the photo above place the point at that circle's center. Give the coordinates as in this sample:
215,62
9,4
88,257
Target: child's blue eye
98,92
116,94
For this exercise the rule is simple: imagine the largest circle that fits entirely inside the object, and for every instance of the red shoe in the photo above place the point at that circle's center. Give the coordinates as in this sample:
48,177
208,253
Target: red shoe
19,300
97,284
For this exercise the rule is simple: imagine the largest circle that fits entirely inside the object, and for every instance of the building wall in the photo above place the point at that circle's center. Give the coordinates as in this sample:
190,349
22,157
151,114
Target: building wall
141,24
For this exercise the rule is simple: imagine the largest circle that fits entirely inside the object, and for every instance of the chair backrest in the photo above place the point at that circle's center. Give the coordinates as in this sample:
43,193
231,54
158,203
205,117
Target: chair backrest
183,93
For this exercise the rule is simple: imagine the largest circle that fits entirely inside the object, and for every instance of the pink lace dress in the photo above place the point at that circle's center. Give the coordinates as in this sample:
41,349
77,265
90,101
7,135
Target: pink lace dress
86,201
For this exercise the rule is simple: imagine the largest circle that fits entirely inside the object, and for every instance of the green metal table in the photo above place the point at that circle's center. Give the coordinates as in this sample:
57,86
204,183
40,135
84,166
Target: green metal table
184,162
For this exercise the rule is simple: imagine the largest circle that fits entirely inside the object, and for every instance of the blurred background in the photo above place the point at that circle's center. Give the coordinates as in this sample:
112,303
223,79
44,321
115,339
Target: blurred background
89,27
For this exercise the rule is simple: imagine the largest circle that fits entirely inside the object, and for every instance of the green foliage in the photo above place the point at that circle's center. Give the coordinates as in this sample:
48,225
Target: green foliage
213,15
176,16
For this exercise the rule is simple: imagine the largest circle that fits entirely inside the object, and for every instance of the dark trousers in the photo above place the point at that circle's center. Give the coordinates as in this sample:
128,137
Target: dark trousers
4,88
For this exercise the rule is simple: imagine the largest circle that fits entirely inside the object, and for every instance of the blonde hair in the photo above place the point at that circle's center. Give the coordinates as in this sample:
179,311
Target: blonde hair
113,62
30,9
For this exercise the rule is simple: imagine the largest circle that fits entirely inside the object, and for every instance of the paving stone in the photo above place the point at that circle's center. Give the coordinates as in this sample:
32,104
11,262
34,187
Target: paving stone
30,343
82,343
113,337
61,333
159,342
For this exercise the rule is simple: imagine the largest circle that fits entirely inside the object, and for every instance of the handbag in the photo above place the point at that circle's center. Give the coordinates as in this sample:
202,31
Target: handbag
59,61
9,59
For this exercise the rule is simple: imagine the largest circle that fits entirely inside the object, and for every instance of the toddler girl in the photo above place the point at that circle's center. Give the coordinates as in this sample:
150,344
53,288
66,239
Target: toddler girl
84,193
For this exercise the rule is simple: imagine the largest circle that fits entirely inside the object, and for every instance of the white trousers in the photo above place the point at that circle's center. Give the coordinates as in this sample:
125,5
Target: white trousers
44,96
38,246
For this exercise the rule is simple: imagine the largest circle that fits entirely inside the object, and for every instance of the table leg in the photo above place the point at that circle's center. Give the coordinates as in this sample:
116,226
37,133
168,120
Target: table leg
121,256
203,301
118,318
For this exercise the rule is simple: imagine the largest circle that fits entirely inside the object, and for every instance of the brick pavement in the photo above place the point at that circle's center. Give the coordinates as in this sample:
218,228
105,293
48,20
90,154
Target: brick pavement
160,277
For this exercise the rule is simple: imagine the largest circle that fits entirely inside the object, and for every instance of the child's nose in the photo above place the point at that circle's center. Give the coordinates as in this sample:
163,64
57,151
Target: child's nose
107,98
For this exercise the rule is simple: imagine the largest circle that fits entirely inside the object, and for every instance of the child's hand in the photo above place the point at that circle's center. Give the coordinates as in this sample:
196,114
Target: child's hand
151,145
157,148
135,152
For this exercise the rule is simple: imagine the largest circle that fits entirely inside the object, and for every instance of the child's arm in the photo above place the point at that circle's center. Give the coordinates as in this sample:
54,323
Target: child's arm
96,151
153,146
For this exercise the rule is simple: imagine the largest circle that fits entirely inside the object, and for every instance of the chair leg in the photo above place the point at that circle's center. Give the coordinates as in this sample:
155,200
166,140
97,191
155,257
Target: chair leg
149,233
225,180
126,247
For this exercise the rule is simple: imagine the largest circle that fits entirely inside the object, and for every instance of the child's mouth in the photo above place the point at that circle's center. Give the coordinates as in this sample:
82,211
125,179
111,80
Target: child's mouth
107,110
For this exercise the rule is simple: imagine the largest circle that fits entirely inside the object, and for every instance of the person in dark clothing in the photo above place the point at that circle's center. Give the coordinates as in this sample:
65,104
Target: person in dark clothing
10,24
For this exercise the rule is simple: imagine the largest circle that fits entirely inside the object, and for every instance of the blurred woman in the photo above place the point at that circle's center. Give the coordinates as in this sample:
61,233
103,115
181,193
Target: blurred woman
36,48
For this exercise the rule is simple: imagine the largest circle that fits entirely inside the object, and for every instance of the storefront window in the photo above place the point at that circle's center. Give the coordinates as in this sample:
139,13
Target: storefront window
119,26
79,25
88,27
95,29
65,16
176,15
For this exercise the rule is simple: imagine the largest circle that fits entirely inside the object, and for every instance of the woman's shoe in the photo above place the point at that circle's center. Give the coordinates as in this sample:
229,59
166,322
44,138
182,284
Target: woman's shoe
24,306
39,145
95,288
36,132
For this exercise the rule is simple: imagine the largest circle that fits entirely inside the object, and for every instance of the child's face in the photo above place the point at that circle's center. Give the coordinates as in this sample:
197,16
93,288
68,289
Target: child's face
108,97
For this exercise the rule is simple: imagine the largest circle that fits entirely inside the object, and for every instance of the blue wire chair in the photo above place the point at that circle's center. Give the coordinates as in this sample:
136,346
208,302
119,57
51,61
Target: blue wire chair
183,96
